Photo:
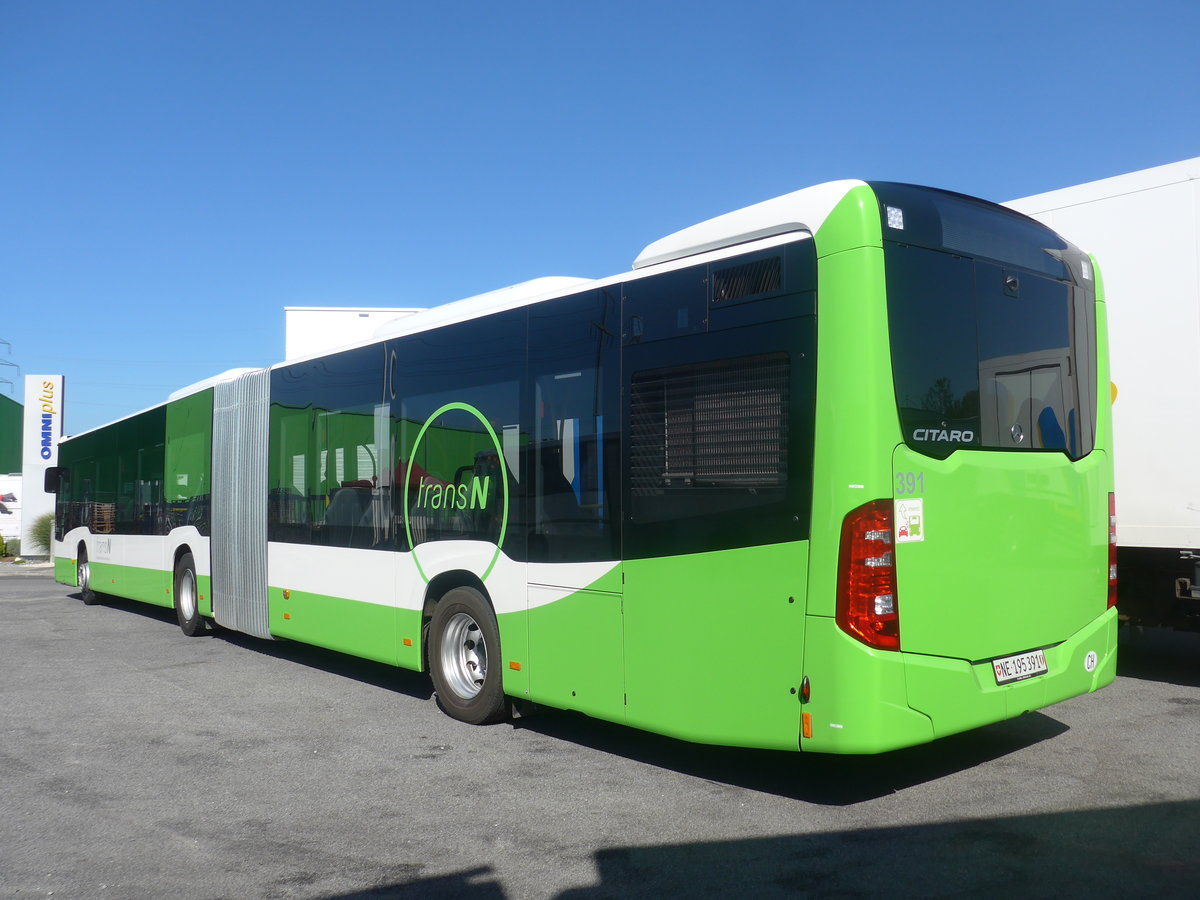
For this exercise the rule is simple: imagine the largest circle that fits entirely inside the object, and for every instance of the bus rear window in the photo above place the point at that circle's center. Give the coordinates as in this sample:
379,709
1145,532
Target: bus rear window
988,356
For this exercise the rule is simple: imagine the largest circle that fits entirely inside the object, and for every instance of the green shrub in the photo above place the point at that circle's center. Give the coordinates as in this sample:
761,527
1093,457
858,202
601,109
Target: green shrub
3,546
40,534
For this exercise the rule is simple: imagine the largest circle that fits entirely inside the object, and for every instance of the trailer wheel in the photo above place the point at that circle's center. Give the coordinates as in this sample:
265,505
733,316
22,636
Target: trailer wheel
187,608
464,658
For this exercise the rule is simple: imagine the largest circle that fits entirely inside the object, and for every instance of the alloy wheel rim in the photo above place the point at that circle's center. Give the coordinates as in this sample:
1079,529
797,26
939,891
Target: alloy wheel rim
464,656
187,594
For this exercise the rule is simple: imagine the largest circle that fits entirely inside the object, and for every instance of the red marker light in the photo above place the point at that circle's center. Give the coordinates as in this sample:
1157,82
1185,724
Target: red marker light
867,608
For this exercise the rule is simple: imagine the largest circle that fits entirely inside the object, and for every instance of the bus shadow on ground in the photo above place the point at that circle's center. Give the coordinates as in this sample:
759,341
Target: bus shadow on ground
380,675
812,778
1158,654
1118,852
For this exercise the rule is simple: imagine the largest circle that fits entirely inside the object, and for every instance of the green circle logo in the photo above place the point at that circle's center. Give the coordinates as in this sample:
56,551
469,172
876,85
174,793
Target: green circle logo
463,497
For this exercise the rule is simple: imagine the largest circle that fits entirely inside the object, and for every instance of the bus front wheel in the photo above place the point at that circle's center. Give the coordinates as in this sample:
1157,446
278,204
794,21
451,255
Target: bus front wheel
83,578
187,607
464,658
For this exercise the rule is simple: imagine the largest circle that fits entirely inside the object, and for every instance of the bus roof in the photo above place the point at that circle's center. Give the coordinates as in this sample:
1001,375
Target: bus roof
772,221
804,210
227,375
797,213
520,294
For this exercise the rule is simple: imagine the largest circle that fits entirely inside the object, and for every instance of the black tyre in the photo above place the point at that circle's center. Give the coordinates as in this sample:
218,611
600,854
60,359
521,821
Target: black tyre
83,578
464,658
187,598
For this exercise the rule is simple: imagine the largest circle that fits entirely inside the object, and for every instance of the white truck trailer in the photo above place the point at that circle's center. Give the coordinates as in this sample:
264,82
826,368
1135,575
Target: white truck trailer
1144,230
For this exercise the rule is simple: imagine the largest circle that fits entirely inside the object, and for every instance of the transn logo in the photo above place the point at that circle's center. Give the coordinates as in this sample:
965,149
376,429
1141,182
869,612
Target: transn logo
431,494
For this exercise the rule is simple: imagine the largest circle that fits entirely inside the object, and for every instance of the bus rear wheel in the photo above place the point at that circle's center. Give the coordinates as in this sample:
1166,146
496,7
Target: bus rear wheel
464,658
83,578
187,596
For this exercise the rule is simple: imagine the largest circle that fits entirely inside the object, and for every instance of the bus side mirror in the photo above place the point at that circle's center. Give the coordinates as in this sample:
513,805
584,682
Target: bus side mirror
56,479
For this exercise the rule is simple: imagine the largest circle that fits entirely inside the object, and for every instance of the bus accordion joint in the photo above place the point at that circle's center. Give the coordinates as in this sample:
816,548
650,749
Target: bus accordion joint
867,608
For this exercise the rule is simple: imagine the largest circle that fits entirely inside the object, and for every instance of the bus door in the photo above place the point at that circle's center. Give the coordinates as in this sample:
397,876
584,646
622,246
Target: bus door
571,465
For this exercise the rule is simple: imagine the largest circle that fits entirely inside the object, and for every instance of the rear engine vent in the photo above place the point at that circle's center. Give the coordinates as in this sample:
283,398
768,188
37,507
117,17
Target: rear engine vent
713,424
762,276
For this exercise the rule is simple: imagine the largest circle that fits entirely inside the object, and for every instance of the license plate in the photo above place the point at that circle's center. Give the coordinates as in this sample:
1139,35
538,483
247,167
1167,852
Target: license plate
1020,667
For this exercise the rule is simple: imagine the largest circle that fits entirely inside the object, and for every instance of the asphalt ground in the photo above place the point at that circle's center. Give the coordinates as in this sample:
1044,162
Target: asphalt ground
136,762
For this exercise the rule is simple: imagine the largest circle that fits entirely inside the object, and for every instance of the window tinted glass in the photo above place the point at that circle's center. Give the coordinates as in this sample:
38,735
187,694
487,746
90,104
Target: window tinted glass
327,483
933,338
987,356
720,440
667,306
940,220
115,478
575,451
189,461
141,440
456,431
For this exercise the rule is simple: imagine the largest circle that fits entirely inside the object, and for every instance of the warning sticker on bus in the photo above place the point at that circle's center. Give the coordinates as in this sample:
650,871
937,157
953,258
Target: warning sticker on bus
910,520
1020,667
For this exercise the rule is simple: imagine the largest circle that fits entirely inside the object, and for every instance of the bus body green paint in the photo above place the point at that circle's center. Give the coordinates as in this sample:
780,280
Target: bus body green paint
654,480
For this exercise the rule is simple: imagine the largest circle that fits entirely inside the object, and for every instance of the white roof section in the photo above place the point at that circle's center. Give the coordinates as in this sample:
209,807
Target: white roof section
132,415
312,330
772,222
510,297
399,310
804,210
227,375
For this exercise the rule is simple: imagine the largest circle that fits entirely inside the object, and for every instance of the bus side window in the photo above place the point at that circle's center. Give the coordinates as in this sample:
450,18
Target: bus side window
572,518
575,447
327,478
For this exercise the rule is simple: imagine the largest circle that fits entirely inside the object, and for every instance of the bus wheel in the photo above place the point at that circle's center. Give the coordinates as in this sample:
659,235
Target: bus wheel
464,658
187,608
83,578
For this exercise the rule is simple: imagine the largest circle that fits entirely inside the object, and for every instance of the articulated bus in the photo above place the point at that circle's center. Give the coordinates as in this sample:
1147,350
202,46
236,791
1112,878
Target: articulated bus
828,473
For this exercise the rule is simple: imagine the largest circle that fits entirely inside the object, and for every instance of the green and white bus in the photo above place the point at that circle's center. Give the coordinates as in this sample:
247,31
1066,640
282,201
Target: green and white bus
828,473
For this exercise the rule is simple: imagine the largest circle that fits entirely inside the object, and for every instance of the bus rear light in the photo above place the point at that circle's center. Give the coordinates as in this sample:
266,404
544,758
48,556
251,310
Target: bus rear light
866,589
1112,550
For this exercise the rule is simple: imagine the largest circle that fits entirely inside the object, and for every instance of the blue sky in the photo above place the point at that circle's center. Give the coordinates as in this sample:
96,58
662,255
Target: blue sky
175,173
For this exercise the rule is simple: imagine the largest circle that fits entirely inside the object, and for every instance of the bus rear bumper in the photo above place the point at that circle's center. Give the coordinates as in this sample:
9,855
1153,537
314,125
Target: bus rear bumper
958,695
872,701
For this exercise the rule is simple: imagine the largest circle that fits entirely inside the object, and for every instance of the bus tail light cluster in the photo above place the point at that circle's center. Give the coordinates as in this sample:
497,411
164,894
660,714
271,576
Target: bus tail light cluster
1112,550
866,593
